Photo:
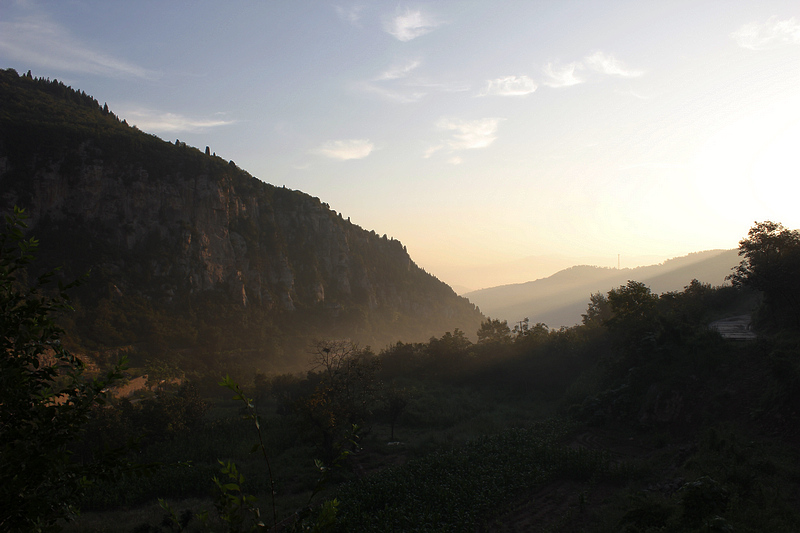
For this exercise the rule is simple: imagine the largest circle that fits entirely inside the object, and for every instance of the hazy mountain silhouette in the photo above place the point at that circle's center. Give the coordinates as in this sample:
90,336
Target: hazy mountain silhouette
560,299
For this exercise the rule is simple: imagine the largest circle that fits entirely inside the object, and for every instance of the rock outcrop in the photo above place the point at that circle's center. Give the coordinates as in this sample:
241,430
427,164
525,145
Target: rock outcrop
170,222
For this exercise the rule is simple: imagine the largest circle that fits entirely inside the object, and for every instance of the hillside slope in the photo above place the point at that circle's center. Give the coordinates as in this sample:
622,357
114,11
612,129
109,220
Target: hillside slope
560,299
171,231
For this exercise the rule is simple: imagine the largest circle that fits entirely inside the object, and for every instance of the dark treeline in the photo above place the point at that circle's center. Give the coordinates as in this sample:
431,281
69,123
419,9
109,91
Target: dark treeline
642,366
634,351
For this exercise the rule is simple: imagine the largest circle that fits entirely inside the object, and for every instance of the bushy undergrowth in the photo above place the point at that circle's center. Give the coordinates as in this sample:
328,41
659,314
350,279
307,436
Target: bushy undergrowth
458,489
190,462
466,430
726,481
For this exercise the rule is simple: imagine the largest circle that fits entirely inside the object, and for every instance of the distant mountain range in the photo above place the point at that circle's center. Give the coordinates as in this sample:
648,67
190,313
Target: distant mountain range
191,255
560,299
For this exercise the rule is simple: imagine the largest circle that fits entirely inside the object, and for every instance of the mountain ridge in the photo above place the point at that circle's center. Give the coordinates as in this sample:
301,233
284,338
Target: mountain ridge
179,229
558,300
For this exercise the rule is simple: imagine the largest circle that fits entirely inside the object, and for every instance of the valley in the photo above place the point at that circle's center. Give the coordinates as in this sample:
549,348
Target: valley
279,368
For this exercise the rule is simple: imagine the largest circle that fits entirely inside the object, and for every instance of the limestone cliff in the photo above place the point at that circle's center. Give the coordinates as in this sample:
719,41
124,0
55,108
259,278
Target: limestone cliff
168,222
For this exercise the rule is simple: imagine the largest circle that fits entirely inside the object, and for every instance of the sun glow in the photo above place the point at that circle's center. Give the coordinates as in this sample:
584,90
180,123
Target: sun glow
775,175
753,167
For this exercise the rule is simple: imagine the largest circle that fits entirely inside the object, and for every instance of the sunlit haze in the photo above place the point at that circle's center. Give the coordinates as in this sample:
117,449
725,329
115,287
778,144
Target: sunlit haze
499,141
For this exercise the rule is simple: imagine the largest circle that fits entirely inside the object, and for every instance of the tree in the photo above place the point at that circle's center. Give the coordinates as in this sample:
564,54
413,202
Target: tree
395,401
633,314
494,332
45,401
771,265
528,337
632,303
344,396
598,311
448,355
455,342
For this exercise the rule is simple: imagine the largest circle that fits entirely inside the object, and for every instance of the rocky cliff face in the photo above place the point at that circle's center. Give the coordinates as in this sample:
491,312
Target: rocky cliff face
166,221
195,216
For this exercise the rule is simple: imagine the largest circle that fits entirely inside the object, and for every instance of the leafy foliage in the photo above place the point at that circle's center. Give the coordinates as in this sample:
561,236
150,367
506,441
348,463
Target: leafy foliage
770,265
45,400
160,416
242,502
235,507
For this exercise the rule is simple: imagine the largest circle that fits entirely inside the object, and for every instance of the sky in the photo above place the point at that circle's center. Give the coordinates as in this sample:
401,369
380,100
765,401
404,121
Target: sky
500,141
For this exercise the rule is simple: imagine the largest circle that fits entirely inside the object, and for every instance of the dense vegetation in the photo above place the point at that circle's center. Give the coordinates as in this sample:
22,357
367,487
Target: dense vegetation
640,419
44,399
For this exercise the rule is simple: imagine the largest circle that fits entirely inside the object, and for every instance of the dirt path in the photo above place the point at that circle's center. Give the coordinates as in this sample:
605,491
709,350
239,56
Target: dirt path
133,385
739,328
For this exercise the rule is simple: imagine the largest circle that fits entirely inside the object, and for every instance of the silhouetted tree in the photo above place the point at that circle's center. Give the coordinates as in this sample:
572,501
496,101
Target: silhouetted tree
493,331
771,265
633,316
598,312
345,393
395,402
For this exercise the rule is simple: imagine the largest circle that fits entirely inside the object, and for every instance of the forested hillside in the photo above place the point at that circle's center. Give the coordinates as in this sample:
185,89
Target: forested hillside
189,255
642,418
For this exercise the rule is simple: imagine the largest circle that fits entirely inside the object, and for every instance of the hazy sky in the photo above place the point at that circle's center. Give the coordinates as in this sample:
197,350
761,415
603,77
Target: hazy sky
475,132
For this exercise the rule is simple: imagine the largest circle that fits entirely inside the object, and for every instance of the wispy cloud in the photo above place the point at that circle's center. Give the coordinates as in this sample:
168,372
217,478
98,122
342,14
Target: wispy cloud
38,42
402,95
770,34
437,86
345,149
351,14
562,75
398,71
410,25
465,135
399,84
161,122
608,64
387,84
432,150
509,86
558,75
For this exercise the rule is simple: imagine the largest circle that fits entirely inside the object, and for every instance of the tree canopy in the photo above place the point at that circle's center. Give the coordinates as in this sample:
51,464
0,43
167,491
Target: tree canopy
771,265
